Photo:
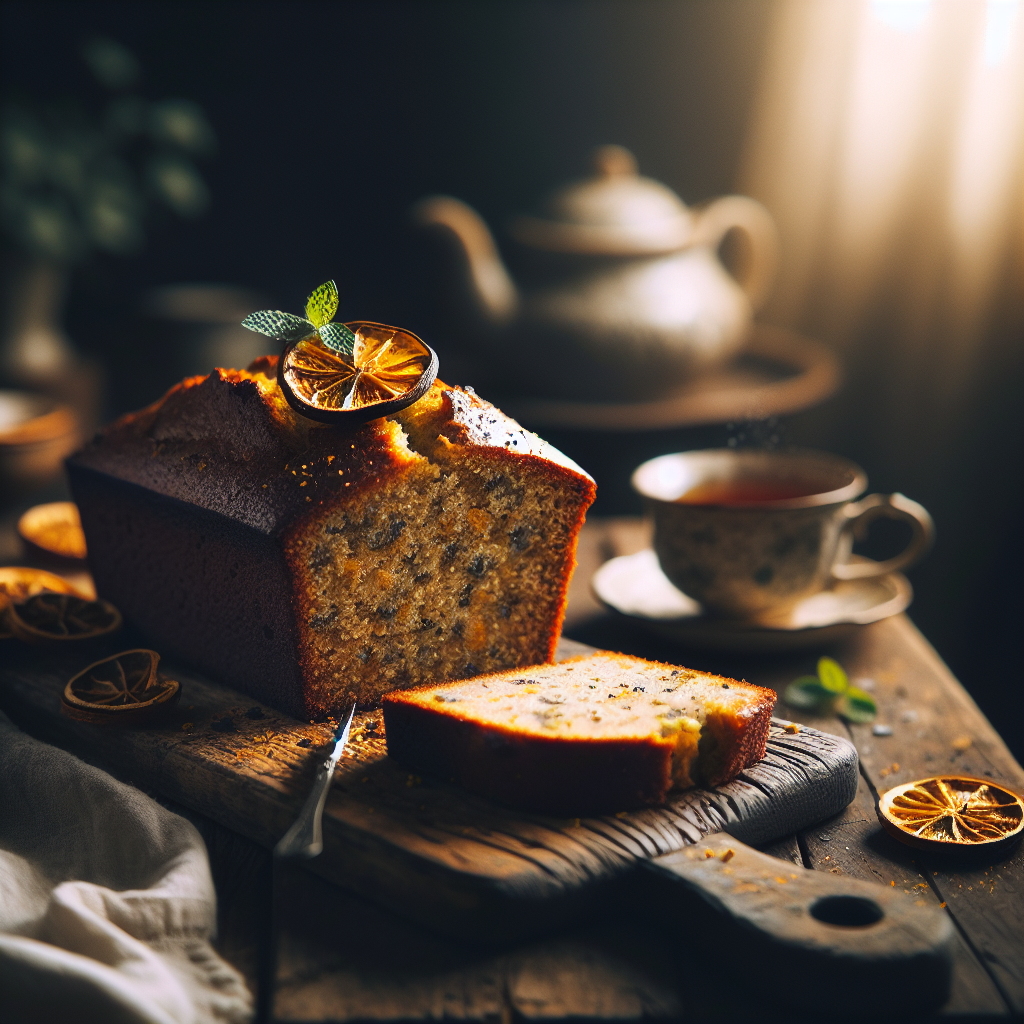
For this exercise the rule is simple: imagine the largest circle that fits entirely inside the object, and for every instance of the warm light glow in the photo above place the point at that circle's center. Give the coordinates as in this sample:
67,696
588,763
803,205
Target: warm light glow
886,114
1000,22
986,166
888,143
903,15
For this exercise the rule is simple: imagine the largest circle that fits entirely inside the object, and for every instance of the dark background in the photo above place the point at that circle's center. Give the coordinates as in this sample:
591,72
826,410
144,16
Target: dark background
333,119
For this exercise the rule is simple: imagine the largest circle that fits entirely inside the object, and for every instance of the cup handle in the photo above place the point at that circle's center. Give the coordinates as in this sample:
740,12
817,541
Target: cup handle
861,514
756,272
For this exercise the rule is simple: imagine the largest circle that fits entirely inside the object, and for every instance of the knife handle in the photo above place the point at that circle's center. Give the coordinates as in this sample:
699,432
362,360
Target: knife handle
305,839
835,934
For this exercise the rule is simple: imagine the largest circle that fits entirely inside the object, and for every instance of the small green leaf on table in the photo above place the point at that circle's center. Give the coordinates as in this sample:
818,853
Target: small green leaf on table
832,675
857,706
830,692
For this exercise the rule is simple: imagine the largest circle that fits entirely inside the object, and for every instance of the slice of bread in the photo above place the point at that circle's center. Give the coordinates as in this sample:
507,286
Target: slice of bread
596,734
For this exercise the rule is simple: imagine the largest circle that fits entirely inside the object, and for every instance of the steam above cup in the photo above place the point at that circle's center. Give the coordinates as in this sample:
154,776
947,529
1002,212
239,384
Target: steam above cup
750,533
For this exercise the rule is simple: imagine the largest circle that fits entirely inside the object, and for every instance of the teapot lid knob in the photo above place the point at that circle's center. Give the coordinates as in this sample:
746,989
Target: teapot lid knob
614,162
616,212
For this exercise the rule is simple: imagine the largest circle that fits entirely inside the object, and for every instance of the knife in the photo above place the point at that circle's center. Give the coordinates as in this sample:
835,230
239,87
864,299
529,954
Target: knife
305,839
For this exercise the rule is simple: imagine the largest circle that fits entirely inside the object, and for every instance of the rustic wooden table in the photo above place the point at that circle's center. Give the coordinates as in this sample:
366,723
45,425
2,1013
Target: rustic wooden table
316,952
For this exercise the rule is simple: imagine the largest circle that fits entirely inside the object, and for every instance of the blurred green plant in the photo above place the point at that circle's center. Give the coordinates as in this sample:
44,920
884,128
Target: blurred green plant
75,180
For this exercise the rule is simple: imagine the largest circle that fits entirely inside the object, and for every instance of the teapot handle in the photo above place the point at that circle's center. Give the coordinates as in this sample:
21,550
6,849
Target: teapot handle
756,272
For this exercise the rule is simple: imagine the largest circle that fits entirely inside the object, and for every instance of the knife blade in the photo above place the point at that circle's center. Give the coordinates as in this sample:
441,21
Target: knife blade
305,840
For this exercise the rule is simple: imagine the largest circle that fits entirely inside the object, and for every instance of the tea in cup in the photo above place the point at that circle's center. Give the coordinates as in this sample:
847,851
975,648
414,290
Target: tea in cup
749,533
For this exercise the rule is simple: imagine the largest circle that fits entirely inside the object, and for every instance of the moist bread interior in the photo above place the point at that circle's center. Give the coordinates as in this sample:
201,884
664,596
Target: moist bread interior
445,575
699,729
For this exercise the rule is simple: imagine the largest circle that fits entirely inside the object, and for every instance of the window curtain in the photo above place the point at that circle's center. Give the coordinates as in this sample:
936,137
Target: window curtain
887,139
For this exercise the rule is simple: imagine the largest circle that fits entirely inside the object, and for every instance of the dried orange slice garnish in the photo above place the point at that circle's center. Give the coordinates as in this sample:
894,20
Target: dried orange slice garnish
389,369
58,618
124,689
952,811
54,529
19,582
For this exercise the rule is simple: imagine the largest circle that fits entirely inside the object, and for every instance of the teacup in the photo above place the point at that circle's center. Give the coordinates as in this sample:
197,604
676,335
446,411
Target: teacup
751,533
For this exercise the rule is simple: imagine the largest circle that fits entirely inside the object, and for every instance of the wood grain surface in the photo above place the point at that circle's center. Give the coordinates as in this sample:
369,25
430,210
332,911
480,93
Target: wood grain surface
824,928
341,957
935,727
444,857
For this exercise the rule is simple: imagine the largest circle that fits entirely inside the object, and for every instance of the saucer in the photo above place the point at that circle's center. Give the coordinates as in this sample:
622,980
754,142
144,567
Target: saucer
635,586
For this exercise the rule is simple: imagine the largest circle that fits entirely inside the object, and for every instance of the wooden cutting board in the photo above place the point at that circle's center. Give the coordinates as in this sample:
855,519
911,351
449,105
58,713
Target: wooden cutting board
420,846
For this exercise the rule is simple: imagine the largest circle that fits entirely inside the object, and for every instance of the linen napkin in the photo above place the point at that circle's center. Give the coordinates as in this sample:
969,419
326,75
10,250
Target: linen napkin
107,905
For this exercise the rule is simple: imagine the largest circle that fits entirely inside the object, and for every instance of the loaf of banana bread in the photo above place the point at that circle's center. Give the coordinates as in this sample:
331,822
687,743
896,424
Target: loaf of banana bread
595,734
311,565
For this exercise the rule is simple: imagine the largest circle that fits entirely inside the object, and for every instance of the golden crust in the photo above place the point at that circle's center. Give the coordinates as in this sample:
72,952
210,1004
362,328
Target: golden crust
351,539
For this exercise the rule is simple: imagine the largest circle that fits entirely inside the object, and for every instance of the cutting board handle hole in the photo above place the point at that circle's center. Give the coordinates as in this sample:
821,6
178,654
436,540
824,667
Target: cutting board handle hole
847,911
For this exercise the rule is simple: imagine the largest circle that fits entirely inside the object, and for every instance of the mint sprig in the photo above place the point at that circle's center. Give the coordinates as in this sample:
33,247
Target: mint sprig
320,309
830,692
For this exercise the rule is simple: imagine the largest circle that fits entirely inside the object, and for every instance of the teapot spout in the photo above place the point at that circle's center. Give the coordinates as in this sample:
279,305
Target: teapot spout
488,280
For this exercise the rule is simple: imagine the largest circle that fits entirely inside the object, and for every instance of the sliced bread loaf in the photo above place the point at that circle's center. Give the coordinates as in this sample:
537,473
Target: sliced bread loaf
311,565
595,734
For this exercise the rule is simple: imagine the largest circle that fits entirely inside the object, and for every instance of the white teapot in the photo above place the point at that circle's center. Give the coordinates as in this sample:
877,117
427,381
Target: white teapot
630,297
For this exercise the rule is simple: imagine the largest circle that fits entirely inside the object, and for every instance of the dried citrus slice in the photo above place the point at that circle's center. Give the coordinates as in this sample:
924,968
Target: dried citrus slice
58,618
952,810
54,529
18,582
124,689
388,370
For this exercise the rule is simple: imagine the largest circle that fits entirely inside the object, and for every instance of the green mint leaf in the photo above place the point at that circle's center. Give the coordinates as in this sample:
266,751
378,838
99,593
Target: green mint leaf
808,693
832,676
338,338
281,326
857,706
322,304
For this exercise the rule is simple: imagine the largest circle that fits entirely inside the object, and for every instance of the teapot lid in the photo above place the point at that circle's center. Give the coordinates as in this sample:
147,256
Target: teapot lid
617,212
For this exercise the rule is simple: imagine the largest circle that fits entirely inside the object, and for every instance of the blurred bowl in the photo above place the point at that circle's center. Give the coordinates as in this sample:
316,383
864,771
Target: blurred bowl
37,433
